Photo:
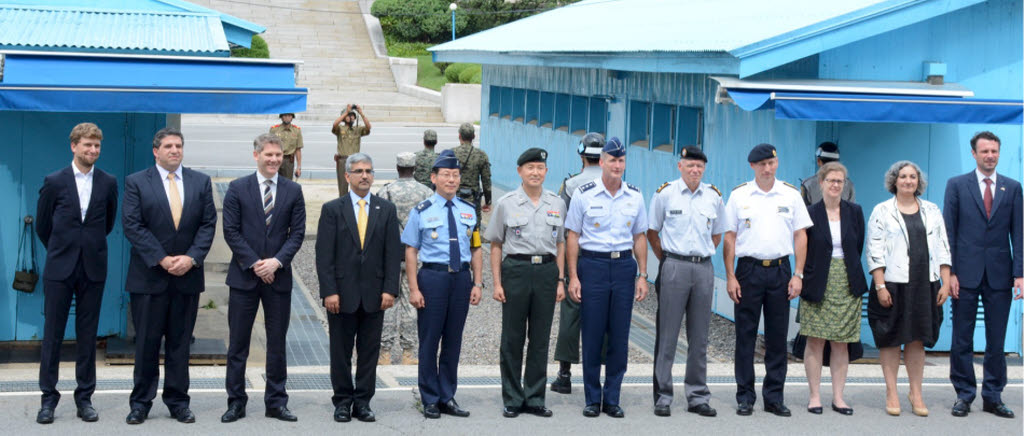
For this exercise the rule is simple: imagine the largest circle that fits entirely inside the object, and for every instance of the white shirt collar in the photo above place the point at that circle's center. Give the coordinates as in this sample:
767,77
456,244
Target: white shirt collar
77,172
981,177
774,190
164,172
262,180
686,189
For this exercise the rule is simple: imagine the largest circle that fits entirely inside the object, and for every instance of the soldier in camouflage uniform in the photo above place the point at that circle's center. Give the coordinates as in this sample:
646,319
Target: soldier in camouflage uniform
425,159
291,145
476,171
350,135
400,322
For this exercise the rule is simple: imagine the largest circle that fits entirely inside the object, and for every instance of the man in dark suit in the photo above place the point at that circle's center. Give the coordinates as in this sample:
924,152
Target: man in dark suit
264,223
76,211
983,214
169,217
358,259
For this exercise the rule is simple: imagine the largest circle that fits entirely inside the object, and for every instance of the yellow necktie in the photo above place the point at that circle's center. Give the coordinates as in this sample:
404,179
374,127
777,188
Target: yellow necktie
361,223
175,199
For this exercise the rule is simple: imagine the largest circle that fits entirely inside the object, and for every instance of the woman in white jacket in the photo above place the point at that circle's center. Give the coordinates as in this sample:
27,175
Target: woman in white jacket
908,253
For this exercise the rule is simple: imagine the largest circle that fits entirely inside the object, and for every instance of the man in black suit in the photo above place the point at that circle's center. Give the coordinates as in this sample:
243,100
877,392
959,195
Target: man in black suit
169,217
264,223
983,217
358,260
76,211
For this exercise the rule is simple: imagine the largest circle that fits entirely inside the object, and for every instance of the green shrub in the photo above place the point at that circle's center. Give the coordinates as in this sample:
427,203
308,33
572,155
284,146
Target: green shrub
417,20
451,74
477,78
442,66
403,49
466,75
258,49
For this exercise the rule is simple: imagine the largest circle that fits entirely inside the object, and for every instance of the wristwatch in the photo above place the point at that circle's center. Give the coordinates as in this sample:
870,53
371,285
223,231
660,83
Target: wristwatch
642,275
194,263
799,275
879,287
479,285
564,280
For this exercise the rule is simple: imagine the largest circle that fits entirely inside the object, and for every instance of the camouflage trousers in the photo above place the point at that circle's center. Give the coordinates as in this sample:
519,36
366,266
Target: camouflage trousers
400,321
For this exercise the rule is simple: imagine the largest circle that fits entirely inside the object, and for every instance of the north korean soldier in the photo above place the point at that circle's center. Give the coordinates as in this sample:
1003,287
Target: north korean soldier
606,227
765,223
685,228
527,228
425,159
291,145
476,171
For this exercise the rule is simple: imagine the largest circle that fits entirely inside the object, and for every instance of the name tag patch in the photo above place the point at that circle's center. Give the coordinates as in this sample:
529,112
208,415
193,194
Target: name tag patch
675,212
783,209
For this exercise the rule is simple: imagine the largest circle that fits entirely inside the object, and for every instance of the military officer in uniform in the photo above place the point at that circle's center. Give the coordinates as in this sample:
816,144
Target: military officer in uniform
810,190
440,234
685,228
400,322
567,346
425,159
350,137
765,223
291,143
606,227
476,171
527,228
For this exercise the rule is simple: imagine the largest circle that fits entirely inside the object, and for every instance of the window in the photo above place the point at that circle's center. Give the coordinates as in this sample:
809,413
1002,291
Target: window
578,120
495,100
518,104
547,109
598,116
562,102
663,129
532,106
639,123
506,102
690,127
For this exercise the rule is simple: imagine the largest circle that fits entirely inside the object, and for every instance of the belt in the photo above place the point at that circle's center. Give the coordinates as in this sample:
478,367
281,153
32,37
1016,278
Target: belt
693,259
606,255
765,262
444,267
535,259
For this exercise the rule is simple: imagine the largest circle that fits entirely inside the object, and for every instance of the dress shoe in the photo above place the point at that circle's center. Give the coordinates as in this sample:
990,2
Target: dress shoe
592,411
815,410
540,411
997,409
961,408
510,411
363,413
384,358
452,408
343,413
919,411
409,358
702,409
842,410
281,414
431,411
613,410
184,415
88,414
562,383
745,409
234,413
778,409
893,411
137,416
45,415
662,411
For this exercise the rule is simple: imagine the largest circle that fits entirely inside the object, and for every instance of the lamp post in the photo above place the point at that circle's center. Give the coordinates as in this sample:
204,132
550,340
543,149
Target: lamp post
453,7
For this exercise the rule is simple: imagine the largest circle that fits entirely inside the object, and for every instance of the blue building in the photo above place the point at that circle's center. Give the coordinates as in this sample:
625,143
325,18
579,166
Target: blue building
132,67
885,79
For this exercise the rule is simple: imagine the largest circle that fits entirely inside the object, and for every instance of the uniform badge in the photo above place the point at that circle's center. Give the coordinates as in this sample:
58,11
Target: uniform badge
747,222
433,235
554,234
709,223
596,225
783,209
629,223
554,214
675,212
518,231
469,232
466,216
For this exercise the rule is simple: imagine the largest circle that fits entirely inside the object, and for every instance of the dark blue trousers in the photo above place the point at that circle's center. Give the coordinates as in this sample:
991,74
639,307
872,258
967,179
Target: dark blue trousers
440,325
761,288
606,307
961,354
242,307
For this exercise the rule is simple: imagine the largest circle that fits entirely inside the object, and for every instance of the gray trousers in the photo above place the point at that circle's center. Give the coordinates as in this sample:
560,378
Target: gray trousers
686,290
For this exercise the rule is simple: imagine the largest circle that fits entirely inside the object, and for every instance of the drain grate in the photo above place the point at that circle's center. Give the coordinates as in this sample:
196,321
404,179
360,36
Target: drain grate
321,382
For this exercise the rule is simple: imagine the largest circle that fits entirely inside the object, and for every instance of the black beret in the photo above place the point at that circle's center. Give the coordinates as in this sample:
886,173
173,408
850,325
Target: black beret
286,113
532,155
693,153
761,152
448,160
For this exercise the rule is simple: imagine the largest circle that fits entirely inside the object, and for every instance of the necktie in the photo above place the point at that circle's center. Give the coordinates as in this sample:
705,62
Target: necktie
268,201
175,199
361,223
988,197
454,258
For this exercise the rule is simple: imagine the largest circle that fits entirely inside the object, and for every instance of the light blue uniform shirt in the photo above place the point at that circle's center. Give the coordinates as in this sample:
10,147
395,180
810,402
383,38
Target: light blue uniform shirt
685,220
605,222
427,229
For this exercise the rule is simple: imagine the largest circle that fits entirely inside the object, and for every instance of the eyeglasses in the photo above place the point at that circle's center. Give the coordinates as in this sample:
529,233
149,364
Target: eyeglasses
834,181
361,172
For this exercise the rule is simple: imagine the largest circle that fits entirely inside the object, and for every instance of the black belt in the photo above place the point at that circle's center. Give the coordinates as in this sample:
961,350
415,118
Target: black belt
535,259
606,255
444,267
693,259
765,262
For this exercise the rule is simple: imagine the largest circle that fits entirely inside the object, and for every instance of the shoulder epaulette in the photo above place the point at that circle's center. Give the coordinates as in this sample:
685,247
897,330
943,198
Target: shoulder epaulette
740,186
587,186
715,188
275,126
790,185
663,186
467,203
296,126
546,192
423,205
633,187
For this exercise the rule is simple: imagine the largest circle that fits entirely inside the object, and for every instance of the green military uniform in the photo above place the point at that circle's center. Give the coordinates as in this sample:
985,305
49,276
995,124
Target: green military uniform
349,139
476,175
291,141
424,162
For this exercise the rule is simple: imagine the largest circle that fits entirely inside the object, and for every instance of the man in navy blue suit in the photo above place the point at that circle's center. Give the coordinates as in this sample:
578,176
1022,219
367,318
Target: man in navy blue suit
76,211
264,223
983,217
169,217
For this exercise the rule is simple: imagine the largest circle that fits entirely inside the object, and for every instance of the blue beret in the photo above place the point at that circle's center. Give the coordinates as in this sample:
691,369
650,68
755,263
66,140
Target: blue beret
614,147
761,152
447,159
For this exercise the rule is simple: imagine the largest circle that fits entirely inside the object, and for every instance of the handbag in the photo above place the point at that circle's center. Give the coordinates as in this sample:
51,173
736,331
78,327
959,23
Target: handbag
26,277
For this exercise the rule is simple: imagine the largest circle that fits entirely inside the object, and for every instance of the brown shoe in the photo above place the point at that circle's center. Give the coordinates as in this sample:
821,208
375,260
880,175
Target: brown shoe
385,357
409,358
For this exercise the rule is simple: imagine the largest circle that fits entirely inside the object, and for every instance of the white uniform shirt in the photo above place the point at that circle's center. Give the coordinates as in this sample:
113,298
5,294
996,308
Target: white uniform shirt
83,181
764,222
605,222
686,219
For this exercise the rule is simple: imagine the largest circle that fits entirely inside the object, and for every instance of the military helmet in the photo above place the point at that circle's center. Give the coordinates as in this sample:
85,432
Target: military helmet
591,145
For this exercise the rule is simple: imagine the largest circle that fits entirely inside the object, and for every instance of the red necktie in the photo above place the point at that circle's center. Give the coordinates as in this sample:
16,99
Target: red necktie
988,197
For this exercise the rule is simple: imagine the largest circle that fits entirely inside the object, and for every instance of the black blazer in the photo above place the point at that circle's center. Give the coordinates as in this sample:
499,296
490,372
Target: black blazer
250,239
980,246
359,276
146,218
62,231
819,250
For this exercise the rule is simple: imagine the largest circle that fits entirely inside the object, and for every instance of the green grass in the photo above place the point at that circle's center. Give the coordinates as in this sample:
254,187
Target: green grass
427,75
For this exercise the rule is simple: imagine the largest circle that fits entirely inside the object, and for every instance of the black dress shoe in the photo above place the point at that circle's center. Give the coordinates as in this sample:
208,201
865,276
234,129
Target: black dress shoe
540,411
662,410
184,415
842,410
745,409
363,413
702,409
234,413
137,416
45,415
343,413
817,410
613,411
510,411
778,409
998,409
431,411
281,414
961,408
562,384
88,414
592,411
452,408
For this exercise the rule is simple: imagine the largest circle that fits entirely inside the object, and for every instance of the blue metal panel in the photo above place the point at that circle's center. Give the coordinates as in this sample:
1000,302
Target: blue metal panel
11,192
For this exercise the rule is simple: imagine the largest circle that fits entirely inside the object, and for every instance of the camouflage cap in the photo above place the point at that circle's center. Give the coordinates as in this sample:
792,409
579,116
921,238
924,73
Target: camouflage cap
467,131
429,135
405,159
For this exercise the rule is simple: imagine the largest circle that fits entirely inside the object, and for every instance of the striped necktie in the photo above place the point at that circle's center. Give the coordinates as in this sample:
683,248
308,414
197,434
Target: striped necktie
268,201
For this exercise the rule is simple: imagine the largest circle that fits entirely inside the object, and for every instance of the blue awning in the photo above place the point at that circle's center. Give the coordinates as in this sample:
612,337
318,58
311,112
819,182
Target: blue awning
880,107
151,100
